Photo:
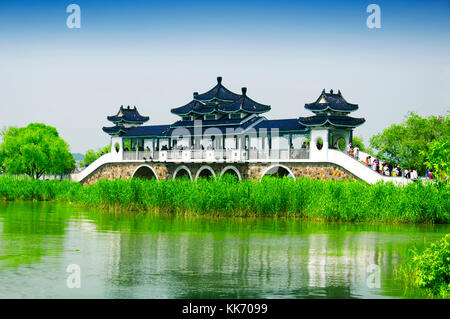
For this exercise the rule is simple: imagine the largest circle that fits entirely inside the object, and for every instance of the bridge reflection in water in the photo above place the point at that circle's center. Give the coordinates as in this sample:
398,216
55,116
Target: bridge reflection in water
129,256
205,258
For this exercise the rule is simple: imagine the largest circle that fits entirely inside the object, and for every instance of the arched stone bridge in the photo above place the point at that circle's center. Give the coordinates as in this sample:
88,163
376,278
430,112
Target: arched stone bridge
193,171
332,164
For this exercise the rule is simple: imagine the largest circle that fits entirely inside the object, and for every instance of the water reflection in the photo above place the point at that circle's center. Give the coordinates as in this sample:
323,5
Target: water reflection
27,236
150,256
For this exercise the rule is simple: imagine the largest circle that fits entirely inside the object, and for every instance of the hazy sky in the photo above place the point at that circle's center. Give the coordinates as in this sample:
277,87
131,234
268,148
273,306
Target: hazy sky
155,54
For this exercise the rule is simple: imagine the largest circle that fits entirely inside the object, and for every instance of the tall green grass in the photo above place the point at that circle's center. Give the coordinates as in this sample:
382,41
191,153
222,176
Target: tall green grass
304,197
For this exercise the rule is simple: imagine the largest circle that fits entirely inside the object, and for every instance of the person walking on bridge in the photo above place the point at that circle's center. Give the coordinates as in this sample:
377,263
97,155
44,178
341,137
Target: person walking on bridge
377,164
356,152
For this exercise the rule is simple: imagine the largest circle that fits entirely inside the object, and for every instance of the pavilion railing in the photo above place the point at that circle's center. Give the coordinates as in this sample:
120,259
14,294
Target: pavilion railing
129,156
217,155
302,153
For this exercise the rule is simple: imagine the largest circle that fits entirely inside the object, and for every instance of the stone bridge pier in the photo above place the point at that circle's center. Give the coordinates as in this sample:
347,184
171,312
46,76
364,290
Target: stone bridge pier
193,171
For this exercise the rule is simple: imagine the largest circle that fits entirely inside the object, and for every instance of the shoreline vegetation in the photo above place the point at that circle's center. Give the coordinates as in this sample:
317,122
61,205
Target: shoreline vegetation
322,200
429,269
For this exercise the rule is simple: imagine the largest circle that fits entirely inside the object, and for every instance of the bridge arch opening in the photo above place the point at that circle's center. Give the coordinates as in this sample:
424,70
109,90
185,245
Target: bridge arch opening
231,171
205,172
278,171
144,172
182,172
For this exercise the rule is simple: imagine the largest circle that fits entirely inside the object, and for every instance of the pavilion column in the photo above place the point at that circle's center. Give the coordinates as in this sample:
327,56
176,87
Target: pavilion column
269,141
330,140
247,143
153,148
137,148
289,146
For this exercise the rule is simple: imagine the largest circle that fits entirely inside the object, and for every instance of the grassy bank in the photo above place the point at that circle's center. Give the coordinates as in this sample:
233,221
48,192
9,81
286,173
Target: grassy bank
306,198
429,269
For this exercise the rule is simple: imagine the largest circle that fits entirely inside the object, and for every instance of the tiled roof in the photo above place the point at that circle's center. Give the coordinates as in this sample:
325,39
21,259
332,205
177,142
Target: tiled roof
148,130
331,101
193,107
244,103
224,120
213,130
114,130
217,92
281,125
128,115
219,99
335,120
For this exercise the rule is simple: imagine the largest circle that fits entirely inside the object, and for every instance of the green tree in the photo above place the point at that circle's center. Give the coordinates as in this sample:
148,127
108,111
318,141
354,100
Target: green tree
438,158
2,133
408,143
35,150
91,155
1,163
358,141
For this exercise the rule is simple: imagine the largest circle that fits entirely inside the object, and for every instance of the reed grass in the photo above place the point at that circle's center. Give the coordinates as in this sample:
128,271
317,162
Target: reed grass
328,200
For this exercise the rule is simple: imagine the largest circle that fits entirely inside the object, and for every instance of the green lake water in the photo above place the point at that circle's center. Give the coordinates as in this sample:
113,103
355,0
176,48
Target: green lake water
151,256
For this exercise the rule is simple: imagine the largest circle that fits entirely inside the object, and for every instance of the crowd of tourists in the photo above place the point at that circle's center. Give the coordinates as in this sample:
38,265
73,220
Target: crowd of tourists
384,167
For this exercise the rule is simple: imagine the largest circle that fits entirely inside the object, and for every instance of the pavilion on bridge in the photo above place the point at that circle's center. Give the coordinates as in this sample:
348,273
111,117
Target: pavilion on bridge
220,125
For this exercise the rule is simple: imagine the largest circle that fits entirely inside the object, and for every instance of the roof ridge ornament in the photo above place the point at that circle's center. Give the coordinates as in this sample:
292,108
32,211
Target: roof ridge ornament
331,91
219,79
244,90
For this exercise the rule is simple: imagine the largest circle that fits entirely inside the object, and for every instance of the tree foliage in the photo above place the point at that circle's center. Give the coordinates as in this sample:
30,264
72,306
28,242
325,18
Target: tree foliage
358,141
35,150
91,155
408,143
3,131
430,269
438,158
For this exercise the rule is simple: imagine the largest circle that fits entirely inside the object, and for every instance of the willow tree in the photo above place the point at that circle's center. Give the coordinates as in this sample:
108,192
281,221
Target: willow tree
35,150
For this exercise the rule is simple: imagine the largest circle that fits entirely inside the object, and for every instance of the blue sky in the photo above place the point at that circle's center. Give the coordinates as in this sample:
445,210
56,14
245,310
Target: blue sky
155,54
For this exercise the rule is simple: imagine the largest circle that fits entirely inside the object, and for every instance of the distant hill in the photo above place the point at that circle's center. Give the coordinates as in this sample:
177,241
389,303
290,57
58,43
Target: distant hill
78,156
